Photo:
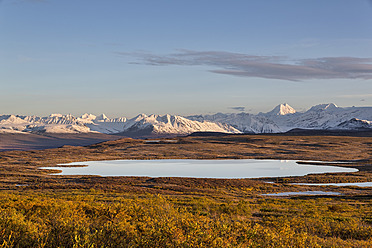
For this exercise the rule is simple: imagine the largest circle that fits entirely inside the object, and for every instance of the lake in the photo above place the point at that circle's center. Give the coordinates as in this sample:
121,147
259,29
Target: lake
240,168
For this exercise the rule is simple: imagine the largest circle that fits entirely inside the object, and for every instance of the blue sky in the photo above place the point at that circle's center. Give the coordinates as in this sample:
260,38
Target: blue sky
182,57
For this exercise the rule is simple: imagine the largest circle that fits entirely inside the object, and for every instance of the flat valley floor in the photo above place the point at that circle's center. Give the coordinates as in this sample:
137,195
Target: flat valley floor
38,209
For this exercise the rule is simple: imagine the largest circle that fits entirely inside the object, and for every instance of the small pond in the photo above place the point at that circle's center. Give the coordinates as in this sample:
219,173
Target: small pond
363,184
302,193
240,168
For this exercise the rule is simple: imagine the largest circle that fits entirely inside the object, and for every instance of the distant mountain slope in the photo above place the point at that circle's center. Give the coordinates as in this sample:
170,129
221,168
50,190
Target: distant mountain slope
355,124
327,116
173,124
281,119
33,141
56,123
284,118
244,122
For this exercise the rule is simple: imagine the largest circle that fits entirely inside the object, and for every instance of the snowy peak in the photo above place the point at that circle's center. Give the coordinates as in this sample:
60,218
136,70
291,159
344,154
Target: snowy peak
59,119
140,117
281,109
102,117
55,115
11,119
324,107
87,117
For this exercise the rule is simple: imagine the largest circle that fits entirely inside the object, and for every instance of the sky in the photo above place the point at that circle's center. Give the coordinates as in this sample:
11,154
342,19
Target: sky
182,57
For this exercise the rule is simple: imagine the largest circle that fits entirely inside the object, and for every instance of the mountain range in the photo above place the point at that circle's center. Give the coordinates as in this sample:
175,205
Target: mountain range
281,119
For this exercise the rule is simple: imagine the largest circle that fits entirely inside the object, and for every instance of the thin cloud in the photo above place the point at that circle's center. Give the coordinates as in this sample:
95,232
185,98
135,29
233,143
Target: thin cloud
272,67
25,59
241,109
27,1
356,96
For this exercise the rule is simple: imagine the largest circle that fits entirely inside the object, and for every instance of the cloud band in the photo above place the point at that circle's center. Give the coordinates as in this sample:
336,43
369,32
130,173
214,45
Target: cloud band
272,67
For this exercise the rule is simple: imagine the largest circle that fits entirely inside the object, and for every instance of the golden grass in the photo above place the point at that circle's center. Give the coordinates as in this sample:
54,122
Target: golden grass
41,210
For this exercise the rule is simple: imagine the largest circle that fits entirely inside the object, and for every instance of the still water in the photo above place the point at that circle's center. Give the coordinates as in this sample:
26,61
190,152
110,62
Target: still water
303,193
241,168
363,184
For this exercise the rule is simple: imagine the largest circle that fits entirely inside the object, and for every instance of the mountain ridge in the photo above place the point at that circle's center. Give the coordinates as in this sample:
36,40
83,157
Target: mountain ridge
282,118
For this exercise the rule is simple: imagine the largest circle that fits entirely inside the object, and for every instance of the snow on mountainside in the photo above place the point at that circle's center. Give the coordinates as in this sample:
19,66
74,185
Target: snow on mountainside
57,123
355,124
57,128
284,118
244,122
282,109
102,123
173,124
281,119
327,116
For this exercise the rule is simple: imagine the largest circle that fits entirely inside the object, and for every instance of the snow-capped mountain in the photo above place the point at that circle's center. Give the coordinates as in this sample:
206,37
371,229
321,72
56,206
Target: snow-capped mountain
284,118
355,124
54,123
173,124
155,124
102,123
281,109
326,116
244,122
281,119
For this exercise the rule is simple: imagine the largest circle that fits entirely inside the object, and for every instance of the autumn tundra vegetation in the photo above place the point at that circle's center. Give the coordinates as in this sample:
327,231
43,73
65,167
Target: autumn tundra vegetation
38,209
